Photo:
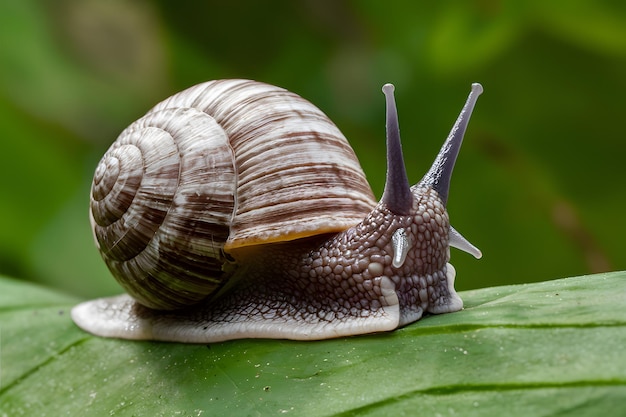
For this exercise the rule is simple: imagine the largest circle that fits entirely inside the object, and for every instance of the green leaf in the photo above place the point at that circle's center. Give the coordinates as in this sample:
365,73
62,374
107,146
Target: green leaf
537,349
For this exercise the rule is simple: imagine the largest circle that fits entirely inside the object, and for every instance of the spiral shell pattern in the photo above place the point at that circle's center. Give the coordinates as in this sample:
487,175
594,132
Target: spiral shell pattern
219,166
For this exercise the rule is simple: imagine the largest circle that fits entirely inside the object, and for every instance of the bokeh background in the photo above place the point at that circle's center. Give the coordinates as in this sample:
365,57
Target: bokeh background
539,185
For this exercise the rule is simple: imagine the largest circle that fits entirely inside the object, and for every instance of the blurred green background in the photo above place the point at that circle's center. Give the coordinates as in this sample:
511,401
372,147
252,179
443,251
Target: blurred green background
539,185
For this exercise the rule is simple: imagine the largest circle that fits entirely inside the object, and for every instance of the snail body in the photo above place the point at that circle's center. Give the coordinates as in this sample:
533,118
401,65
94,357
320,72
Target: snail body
236,209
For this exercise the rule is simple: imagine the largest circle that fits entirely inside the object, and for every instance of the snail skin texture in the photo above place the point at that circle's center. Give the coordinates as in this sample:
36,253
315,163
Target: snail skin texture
236,209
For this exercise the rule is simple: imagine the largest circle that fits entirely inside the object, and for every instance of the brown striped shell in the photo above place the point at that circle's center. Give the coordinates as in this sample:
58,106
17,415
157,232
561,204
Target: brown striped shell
222,165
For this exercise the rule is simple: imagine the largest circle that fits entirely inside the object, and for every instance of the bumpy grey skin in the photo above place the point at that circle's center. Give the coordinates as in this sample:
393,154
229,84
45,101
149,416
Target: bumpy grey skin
381,274
346,286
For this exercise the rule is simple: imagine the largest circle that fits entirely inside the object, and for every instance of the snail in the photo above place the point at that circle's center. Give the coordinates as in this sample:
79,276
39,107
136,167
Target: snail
236,209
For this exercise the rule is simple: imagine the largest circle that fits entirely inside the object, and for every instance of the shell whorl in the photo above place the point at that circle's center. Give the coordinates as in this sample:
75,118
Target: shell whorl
221,165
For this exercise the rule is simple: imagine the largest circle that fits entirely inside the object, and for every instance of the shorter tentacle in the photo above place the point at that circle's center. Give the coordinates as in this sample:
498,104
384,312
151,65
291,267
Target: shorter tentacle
458,241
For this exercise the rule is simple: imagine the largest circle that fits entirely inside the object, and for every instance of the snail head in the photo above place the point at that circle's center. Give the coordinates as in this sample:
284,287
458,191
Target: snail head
425,202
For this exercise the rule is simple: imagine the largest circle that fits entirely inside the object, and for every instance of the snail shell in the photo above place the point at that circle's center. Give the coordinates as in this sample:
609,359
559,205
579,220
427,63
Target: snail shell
219,166
237,209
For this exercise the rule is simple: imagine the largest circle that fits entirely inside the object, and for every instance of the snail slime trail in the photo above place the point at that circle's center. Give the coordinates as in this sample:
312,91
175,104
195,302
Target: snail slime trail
237,209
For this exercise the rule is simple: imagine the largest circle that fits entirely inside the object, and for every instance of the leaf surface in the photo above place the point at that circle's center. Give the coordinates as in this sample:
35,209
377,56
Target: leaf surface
538,349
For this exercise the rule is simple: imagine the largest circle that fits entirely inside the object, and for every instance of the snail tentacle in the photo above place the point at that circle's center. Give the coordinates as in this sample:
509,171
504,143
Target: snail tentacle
458,241
439,175
397,194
